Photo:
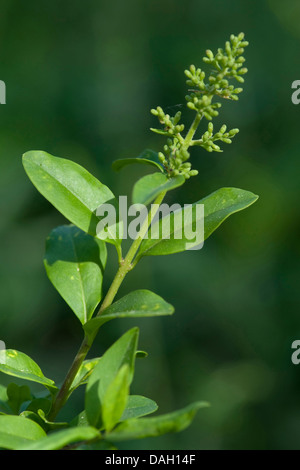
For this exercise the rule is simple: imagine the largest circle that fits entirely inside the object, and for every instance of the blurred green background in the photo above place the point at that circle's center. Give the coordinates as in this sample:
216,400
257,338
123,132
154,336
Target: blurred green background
81,78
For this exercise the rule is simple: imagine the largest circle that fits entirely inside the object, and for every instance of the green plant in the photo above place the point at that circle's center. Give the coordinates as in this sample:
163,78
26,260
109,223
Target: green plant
75,261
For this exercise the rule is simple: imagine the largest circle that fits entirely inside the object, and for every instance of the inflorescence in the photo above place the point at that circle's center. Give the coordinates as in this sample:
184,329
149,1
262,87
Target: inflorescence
227,64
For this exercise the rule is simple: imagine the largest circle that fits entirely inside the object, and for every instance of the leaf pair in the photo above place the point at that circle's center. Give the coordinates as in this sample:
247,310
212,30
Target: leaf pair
75,262
75,258
108,386
109,406
78,195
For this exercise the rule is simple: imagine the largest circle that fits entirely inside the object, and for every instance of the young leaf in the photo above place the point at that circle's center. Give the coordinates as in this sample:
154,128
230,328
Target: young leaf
20,365
123,351
69,187
152,427
115,398
139,303
138,406
147,188
16,431
218,206
75,263
59,439
147,157
84,373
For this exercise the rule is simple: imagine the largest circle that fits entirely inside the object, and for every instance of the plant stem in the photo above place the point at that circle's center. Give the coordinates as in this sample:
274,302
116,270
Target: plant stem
125,267
189,137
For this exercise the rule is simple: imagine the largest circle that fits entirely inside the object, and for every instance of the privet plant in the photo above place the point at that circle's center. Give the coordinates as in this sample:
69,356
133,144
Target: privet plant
75,260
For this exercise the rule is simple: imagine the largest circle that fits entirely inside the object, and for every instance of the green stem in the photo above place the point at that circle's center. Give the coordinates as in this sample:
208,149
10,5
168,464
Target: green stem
189,137
124,268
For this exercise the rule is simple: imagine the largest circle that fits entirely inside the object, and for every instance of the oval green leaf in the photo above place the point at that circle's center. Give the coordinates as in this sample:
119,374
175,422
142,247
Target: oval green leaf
59,439
139,303
70,188
75,263
16,431
218,206
151,427
20,365
138,406
147,188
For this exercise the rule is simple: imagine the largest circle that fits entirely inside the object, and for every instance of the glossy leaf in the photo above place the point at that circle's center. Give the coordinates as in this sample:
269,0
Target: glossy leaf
20,365
140,303
147,157
137,406
147,188
75,263
59,439
151,427
115,398
123,351
69,187
16,431
218,206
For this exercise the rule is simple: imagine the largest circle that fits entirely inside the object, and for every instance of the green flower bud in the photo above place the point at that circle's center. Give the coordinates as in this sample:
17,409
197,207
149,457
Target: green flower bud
186,165
161,157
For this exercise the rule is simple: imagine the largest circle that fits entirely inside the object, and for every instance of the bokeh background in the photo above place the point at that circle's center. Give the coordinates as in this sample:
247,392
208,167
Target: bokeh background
81,78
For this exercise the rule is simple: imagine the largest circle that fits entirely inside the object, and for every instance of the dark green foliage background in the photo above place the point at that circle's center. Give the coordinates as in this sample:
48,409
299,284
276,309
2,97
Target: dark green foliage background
81,78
